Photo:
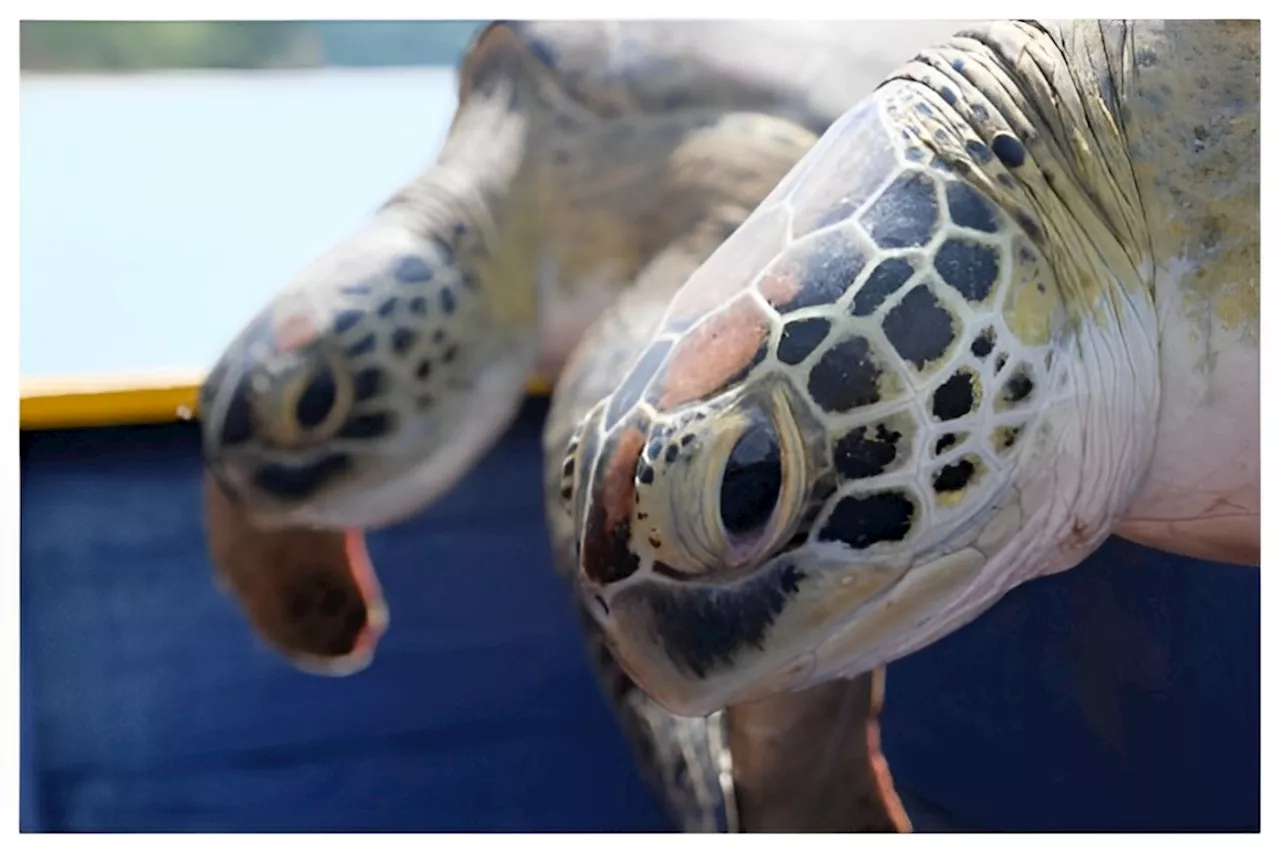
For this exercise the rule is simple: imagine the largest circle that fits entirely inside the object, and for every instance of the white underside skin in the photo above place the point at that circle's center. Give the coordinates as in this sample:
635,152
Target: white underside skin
1201,496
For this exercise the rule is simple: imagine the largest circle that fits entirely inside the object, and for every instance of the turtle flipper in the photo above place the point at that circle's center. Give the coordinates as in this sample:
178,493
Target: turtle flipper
808,761
788,780
310,594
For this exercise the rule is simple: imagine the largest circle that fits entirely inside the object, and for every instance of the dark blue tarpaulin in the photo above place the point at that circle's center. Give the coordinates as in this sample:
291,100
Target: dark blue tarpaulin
1121,695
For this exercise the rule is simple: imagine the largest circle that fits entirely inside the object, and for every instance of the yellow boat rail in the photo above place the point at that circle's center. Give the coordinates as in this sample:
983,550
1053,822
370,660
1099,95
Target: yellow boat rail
115,399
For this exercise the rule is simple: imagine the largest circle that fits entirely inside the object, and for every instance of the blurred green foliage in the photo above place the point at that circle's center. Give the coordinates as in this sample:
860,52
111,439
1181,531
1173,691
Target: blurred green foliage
136,45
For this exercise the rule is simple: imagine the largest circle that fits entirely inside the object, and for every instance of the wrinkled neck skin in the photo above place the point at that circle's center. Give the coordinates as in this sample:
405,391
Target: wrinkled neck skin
551,211
1157,123
482,183
1196,97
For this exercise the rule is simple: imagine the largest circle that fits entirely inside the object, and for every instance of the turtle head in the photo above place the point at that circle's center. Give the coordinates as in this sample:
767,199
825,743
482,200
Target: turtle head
698,510
391,363
832,450
736,538
342,403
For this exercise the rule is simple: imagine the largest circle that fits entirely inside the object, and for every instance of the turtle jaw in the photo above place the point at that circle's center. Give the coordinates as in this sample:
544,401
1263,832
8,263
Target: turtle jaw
697,648
807,616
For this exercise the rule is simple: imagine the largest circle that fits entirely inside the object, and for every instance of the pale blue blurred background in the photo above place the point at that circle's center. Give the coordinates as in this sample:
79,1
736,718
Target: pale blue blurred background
161,206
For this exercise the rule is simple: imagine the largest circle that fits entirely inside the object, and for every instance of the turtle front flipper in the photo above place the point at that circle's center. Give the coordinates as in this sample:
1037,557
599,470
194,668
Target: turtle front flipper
310,594
786,779
794,762
686,761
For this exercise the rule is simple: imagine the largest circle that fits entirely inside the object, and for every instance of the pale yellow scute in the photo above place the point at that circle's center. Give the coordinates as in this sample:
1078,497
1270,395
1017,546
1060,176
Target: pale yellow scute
912,598
1033,307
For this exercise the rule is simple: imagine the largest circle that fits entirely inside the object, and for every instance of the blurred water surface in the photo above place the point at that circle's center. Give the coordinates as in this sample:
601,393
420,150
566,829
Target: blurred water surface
159,210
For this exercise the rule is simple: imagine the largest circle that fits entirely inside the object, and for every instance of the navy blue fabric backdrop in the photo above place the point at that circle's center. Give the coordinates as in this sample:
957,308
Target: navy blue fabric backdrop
1123,694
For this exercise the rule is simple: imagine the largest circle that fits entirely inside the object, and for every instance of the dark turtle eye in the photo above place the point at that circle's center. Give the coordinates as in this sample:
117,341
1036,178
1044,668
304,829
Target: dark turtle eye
316,401
752,480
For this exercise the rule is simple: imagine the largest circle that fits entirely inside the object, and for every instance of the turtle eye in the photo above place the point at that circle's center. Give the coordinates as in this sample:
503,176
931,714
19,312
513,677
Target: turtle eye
316,401
314,406
726,494
752,480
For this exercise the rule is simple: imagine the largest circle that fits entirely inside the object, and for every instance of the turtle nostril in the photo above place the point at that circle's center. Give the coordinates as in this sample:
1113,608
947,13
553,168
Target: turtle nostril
237,423
317,399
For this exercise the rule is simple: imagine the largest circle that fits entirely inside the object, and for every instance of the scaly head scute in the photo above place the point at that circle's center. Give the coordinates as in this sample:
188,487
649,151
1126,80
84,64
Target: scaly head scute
814,460
390,363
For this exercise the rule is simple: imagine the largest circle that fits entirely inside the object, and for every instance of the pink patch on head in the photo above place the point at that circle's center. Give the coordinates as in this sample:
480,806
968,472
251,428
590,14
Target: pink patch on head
294,333
295,327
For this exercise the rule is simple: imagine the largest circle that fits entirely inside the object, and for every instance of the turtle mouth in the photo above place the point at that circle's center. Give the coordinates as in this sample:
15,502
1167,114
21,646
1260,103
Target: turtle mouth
311,595
365,642
698,647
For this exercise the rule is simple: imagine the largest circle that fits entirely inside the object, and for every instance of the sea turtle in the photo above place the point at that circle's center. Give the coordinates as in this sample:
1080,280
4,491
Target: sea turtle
584,159
1006,307
808,761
